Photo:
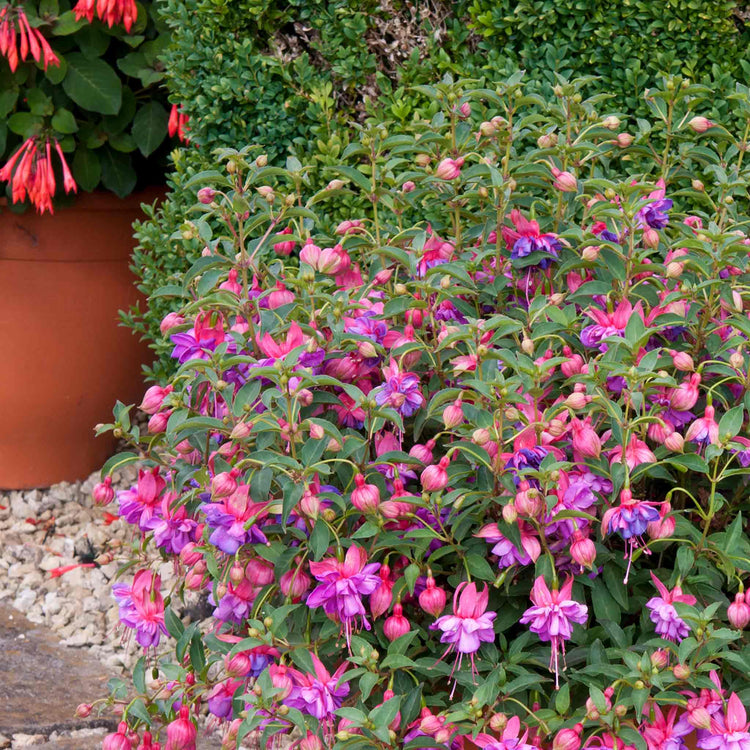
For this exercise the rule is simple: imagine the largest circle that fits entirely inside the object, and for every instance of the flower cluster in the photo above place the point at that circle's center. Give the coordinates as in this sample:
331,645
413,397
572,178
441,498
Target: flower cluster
478,391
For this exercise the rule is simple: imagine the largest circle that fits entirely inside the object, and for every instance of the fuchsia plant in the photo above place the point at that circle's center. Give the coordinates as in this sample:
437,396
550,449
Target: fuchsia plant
477,391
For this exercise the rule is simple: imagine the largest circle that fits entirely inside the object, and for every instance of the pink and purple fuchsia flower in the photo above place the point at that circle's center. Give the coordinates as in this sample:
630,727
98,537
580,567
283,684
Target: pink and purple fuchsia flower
552,617
468,627
343,584
141,607
669,624
400,391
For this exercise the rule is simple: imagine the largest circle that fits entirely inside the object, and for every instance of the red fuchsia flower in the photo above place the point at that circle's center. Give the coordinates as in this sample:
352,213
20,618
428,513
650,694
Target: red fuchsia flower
509,740
181,733
343,584
608,324
636,453
582,550
396,625
295,582
449,169
18,39
705,429
31,174
729,731
177,124
669,624
148,744
630,520
142,607
664,527
400,391
318,694
468,627
738,611
109,11
665,731
552,616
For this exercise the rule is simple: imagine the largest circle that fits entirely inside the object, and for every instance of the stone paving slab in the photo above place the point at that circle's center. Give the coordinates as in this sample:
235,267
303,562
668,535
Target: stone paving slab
42,682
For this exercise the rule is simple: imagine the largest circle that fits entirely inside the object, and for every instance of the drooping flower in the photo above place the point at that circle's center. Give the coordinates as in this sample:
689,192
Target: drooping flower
705,429
469,626
656,214
400,390
141,503
552,617
229,520
318,694
178,124
15,28
181,733
607,324
141,607
729,731
509,740
109,11
343,584
669,624
31,174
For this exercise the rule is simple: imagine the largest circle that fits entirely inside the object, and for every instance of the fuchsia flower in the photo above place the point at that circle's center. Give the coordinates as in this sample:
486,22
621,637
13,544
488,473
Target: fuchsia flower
509,740
178,123
343,584
181,733
668,623
400,391
608,324
552,616
527,238
705,429
468,627
32,41
636,453
229,521
109,11
318,695
142,607
140,504
730,730
449,169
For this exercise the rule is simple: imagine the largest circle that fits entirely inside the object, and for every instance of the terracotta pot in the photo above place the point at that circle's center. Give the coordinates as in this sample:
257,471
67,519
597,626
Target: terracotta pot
65,359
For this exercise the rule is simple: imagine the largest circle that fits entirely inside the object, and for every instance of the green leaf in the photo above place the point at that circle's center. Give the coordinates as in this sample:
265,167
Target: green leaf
410,575
731,423
92,41
605,607
150,127
24,124
63,121
55,73
562,699
139,675
7,101
118,174
320,539
356,176
86,168
67,24
92,84
689,461
139,710
174,625
480,568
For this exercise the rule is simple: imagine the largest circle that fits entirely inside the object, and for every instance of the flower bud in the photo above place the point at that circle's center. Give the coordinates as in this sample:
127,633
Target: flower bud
206,195
408,186
590,253
487,129
117,740
224,483
510,514
103,493
158,423
240,431
736,360
83,710
681,671
547,140
576,401
153,399
181,733
259,572
738,612
568,739
700,124
660,658
453,415
650,238
611,122
449,169
583,550
365,497
498,722
480,436
311,742
432,599
674,270
396,625
699,717
435,477
565,182
682,361
624,140
698,185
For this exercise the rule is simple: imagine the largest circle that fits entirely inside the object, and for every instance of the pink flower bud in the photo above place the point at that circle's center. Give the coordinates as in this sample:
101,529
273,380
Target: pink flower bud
382,277
206,195
153,399
573,365
568,739
685,396
238,665
650,238
294,583
158,423
576,400
435,476
284,248
664,527
682,361
699,717
316,431
585,440
681,671
660,658
310,254
590,253
700,124
309,505
311,742
624,140
547,140
481,436
449,169
382,597
736,360
189,554
432,599
280,679
103,493
583,550
259,572
528,501
170,321
565,182
282,296
181,733
83,710
421,452
408,186
240,431
118,740
365,497
236,574
465,109
453,415
738,612
224,484
510,513
396,625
